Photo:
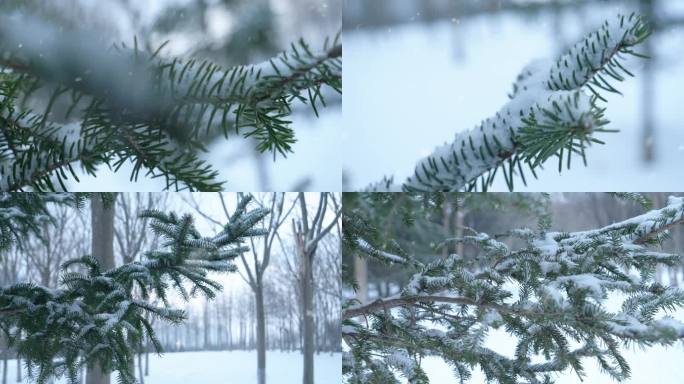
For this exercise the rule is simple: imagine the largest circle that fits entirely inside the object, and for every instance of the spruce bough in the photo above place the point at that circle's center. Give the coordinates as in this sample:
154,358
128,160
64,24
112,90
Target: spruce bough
104,315
549,294
555,111
67,100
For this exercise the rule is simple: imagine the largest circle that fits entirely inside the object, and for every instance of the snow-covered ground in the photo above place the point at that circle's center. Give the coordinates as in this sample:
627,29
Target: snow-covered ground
237,367
410,87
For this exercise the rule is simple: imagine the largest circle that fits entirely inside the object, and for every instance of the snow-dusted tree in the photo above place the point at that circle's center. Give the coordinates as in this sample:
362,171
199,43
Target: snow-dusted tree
550,294
95,317
67,99
554,110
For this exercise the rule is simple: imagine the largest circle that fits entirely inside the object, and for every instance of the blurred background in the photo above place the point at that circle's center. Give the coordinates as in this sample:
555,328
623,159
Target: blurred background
418,71
497,213
229,32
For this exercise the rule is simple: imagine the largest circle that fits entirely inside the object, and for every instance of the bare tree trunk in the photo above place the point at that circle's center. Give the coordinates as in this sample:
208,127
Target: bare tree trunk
81,375
140,369
458,230
102,219
5,352
260,334
230,323
361,276
648,94
18,369
207,340
307,314
147,359
219,325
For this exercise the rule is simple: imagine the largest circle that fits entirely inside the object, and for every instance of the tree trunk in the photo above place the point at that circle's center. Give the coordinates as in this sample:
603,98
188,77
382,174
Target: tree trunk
260,333
207,340
219,338
5,352
361,276
147,359
140,369
102,220
307,315
648,91
81,375
18,369
230,323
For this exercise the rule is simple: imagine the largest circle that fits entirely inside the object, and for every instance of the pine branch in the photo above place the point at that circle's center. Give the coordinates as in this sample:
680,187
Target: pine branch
94,315
125,104
545,293
554,111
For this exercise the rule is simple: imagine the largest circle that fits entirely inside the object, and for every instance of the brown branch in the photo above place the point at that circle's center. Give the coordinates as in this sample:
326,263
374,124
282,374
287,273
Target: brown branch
664,228
10,312
384,304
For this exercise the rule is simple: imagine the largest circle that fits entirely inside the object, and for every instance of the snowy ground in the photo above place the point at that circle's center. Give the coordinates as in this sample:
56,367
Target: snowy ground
237,367
409,88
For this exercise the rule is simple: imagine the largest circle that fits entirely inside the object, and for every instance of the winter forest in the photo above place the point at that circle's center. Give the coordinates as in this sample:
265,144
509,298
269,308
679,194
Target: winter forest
170,288
512,288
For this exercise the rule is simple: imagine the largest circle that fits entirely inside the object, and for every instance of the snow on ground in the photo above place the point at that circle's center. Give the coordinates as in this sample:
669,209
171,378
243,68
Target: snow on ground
236,367
409,88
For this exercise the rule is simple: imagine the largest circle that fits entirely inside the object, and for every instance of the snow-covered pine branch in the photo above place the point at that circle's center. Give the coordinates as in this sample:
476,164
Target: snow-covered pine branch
125,104
95,316
553,111
550,294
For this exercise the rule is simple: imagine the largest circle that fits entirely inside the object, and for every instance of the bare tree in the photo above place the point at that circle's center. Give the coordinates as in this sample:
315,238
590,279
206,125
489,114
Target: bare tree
57,241
308,233
130,230
256,263
255,269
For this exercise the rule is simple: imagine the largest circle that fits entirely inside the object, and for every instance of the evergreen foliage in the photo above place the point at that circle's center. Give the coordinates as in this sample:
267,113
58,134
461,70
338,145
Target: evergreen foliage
549,293
125,104
104,315
555,111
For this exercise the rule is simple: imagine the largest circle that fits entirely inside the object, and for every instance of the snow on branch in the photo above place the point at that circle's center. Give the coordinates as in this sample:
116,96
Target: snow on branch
546,292
123,103
384,256
95,314
553,111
